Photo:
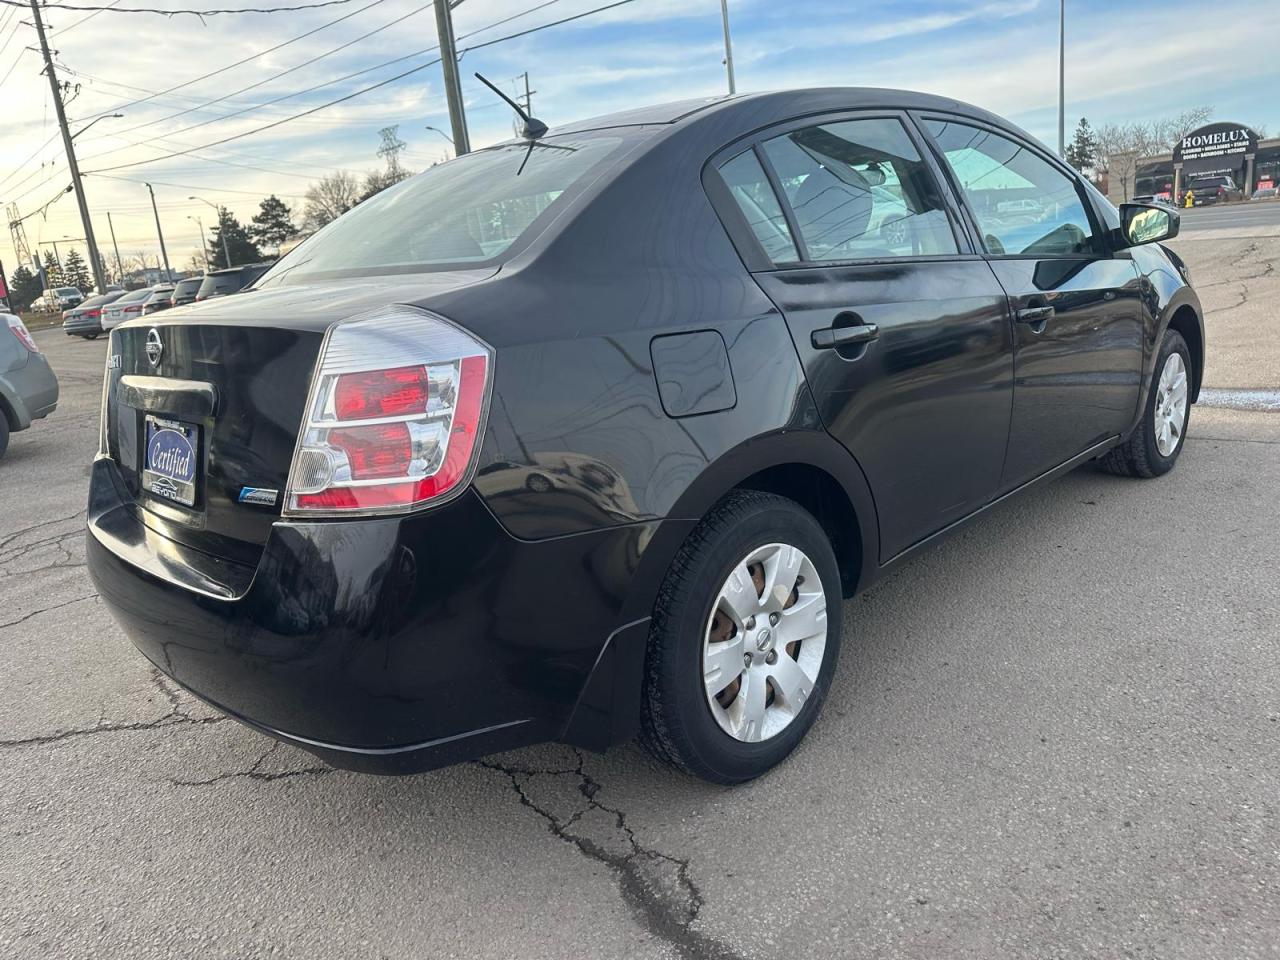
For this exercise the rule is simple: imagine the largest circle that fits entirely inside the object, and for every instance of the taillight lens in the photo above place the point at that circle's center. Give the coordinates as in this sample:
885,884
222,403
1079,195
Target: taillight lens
22,333
394,419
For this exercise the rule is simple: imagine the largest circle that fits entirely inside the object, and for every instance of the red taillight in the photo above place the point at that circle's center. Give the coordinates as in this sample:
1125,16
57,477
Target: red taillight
93,314
381,393
396,411
375,452
22,333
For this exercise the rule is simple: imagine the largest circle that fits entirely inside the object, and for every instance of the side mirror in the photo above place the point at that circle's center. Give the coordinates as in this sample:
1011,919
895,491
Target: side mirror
1147,223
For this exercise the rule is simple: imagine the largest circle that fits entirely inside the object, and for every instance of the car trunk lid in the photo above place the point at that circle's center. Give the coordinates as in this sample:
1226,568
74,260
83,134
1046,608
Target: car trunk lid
203,405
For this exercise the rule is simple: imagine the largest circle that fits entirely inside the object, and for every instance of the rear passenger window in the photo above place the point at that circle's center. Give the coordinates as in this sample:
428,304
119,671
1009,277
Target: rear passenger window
1023,203
859,190
746,180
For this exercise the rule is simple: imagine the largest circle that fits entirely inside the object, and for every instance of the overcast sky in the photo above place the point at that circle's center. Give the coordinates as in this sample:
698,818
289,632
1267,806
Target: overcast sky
1125,61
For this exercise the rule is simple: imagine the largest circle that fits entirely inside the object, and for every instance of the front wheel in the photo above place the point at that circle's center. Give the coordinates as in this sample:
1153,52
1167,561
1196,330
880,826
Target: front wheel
1153,448
744,641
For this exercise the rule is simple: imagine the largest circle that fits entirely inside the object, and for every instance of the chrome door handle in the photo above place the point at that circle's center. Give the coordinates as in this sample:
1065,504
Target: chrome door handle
831,338
1033,315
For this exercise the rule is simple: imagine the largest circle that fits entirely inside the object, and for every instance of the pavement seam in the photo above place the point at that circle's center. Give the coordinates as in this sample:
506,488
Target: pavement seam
662,915
255,772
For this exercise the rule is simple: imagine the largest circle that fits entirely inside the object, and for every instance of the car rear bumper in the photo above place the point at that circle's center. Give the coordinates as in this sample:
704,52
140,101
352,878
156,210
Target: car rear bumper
387,645
31,389
80,326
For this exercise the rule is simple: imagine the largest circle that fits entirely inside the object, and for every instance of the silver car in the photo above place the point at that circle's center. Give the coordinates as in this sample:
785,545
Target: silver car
28,388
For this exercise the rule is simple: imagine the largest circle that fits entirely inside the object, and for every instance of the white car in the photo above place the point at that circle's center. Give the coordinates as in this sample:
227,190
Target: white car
126,308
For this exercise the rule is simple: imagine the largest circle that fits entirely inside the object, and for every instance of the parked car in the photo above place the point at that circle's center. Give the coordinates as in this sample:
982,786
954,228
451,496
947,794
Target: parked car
590,434
161,299
1206,190
184,291
28,388
220,283
1265,193
86,319
125,308
57,299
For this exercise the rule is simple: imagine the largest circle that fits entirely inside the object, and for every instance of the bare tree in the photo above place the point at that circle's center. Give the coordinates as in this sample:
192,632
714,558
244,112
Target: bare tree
1166,133
1122,145
330,198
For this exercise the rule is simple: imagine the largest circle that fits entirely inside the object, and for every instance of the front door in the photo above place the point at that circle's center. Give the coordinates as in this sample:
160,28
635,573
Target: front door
903,332
1077,304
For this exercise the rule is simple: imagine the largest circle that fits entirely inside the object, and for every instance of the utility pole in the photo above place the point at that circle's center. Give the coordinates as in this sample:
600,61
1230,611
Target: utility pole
74,167
528,95
452,82
116,247
728,46
160,234
1062,78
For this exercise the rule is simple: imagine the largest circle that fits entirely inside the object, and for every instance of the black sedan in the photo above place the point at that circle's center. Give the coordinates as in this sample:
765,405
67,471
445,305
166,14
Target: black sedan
586,435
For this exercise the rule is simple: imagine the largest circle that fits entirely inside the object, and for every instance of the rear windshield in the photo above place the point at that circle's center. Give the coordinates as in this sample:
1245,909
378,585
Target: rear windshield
465,212
164,294
218,283
187,287
1210,182
67,292
135,296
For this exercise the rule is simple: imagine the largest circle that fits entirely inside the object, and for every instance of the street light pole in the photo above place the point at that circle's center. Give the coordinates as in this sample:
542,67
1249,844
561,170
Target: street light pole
72,165
160,233
728,46
1062,78
452,83
222,231
204,247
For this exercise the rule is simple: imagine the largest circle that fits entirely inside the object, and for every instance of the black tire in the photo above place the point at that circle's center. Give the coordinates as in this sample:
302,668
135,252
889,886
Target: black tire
1139,456
537,483
91,336
677,724
4,432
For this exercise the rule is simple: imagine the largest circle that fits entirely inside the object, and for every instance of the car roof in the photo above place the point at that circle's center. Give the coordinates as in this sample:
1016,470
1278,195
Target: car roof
773,106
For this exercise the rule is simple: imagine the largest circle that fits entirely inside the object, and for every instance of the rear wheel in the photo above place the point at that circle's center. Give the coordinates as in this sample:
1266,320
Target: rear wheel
745,640
1153,448
91,336
4,432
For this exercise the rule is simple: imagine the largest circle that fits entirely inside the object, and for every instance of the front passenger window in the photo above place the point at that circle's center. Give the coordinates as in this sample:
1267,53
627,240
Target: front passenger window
1023,204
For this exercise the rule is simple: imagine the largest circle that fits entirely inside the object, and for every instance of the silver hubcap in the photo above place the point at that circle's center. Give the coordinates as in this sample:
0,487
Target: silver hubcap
1171,405
764,642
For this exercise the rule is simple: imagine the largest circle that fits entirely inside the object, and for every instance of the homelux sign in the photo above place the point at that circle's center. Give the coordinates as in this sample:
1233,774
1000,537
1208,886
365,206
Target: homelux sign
1214,141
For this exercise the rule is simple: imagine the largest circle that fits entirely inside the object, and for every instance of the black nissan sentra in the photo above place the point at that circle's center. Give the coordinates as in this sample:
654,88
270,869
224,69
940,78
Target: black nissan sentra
587,435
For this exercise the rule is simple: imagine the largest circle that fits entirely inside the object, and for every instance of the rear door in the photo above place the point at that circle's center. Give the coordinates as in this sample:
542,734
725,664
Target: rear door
1077,303
902,329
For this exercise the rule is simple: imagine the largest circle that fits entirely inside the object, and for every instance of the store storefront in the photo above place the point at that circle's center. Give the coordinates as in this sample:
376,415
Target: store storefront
1219,149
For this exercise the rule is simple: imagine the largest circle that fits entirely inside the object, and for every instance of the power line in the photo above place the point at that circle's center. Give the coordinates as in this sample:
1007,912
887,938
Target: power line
320,86
255,85
172,13
82,20
241,62
364,90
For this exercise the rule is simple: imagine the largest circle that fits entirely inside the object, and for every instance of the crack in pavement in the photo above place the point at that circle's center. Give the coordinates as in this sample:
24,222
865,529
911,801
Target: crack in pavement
255,772
55,606
669,915
15,534
176,716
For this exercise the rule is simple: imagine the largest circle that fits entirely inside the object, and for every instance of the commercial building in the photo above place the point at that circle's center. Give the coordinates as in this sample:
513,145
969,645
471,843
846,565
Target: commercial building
1219,149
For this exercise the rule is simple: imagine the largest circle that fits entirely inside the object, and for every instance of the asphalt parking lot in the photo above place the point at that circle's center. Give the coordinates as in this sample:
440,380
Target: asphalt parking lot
1056,736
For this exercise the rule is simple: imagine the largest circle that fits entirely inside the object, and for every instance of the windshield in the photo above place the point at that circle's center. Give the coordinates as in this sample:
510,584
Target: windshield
460,213
186,287
67,292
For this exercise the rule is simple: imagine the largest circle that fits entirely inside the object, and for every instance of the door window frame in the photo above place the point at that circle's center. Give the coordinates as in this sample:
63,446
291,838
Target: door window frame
1101,234
750,249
